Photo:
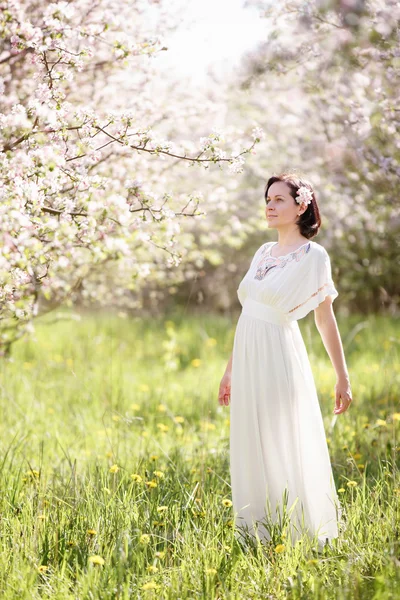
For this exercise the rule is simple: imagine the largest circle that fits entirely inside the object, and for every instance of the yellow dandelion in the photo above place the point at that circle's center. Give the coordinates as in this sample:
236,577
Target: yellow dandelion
43,568
150,585
227,422
381,423
280,548
159,474
226,502
211,342
91,532
50,411
33,473
160,554
151,484
152,569
114,469
136,477
352,483
361,466
96,560
396,416
196,362
161,408
179,419
227,548
206,425
162,427
341,490
135,406
312,561
154,457
211,571
194,470
116,418
145,433
366,425
229,523
357,456
109,454
144,538
161,509
143,387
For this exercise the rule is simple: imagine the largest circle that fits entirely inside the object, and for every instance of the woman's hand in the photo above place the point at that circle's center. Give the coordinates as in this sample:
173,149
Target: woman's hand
343,396
225,390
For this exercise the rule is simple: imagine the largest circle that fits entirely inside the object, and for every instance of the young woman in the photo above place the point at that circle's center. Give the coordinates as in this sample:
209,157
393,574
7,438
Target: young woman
279,459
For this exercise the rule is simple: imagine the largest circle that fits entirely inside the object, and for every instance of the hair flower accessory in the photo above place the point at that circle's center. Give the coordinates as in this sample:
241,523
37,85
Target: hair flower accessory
303,195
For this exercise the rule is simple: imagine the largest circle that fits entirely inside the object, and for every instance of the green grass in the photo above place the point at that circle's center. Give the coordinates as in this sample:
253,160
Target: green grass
87,404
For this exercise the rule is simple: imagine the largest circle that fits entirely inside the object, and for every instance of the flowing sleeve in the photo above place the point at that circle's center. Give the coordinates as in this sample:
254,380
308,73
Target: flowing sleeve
313,288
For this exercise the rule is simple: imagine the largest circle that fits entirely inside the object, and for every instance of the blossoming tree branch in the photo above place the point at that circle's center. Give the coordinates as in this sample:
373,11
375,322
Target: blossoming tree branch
74,188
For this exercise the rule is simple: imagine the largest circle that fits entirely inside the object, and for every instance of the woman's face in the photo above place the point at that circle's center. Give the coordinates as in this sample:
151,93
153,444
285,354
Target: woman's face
281,209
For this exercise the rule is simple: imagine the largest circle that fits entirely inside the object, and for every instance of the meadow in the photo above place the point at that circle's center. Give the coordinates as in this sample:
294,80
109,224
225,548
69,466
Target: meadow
114,465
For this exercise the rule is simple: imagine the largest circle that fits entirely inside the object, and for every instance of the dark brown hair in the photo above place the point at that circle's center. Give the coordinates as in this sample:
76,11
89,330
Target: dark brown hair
310,221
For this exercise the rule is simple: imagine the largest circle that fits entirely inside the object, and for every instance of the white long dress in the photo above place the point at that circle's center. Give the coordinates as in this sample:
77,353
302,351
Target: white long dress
278,450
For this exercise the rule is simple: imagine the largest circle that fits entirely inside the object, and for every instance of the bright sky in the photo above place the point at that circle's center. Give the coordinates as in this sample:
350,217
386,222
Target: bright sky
213,32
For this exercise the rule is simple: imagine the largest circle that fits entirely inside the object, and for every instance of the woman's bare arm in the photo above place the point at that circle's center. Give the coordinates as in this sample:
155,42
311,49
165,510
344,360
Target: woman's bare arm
325,321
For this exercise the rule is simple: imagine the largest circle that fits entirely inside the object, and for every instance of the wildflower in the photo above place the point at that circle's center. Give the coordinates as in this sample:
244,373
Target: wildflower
211,342
151,484
116,418
161,408
152,569
154,457
96,560
226,502
196,362
150,585
135,406
357,456
280,548
162,427
144,538
179,419
381,422
33,473
396,416
312,561
43,568
114,469
160,554
161,509
352,483
91,532
341,490
143,387
136,477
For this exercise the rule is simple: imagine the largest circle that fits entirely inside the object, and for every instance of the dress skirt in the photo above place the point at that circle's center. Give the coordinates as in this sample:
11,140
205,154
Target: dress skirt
279,458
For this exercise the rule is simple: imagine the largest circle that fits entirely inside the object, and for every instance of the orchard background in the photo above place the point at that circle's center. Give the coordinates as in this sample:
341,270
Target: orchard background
131,201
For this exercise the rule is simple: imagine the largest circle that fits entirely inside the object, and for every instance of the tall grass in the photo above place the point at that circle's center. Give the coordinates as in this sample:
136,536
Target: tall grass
114,466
